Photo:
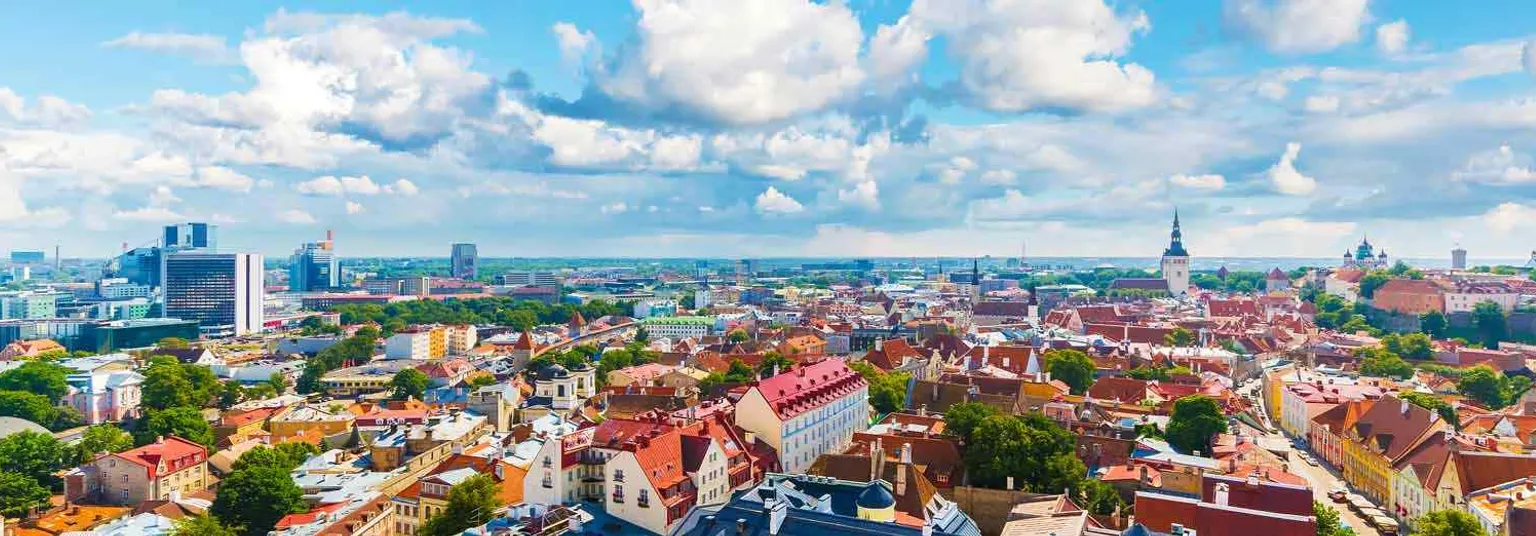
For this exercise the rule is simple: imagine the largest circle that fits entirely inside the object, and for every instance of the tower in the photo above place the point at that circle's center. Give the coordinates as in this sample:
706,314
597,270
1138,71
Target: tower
1175,263
1458,258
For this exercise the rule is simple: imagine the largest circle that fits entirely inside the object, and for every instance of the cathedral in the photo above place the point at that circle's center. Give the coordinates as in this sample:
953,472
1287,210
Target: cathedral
1365,256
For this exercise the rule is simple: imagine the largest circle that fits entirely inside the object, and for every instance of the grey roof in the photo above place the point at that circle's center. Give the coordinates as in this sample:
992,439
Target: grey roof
13,425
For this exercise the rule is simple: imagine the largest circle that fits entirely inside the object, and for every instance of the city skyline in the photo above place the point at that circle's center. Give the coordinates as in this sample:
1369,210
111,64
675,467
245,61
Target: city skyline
818,130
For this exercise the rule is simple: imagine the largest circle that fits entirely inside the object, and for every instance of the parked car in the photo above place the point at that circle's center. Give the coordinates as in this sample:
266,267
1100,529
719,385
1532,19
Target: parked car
1338,495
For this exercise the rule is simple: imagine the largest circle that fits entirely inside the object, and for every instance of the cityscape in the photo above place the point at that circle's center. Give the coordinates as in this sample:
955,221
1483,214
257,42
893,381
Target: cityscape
768,268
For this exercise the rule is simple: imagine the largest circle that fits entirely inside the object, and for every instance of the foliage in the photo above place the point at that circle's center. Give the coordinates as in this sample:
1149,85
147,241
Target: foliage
256,498
409,383
1328,523
40,377
184,422
1372,281
355,349
961,420
29,406
98,439
774,361
1072,367
1378,361
285,456
1035,451
1098,498
736,373
497,310
203,525
641,335
1434,324
1332,311
1179,337
1148,373
314,326
279,382
169,384
1195,421
887,390
1409,346
34,455
1491,388
481,380
471,503
630,355
1358,323
738,335
1447,523
173,343
1433,403
1490,322
1231,345
19,494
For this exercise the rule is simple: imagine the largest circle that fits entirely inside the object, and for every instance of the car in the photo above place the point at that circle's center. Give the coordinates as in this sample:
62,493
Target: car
1310,461
1338,495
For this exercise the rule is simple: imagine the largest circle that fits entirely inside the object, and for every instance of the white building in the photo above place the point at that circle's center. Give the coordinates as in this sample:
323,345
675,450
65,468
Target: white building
806,412
1467,295
679,327
655,308
1175,264
536,278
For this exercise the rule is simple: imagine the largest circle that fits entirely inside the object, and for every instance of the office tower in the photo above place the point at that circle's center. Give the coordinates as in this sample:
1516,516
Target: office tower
26,257
1458,259
140,266
313,266
223,292
534,278
190,236
465,261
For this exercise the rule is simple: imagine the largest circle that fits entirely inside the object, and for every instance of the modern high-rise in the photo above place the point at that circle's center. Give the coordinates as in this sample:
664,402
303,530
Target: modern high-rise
191,235
313,267
1458,259
465,261
223,292
141,265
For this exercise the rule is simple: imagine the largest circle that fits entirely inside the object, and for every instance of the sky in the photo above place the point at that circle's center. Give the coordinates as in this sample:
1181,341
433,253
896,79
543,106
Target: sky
756,128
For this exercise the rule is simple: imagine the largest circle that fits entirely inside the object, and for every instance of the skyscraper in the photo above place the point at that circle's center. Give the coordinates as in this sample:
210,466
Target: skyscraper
313,266
142,265
223,292
465,261
192,235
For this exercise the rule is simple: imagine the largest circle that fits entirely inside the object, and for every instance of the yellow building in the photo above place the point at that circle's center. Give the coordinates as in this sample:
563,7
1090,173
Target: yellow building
307,420
1387,432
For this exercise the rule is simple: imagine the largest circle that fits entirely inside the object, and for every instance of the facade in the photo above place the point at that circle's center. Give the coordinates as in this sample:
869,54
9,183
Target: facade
812,410
679,327
533,278
1465,296
156,471
108,337
193,235
465,261
28,305
223,292
1410,296
313,267
1458,259
104,396
558,390
1175,263
430,342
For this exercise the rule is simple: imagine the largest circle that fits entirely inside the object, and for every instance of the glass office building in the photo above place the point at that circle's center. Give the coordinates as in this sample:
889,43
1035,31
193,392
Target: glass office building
223,292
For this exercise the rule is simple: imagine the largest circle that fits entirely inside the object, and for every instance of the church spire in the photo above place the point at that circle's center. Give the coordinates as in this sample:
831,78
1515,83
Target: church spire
1176,244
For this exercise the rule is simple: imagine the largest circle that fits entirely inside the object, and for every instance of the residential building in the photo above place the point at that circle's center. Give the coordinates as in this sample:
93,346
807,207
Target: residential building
1382,436
1464,296
169,467
464,261
1226,505
428,496
1410,296
498,402
558,390
652,308
28,304
806,412
313,267
430,342
104,395
679,327
530,278
798,504
372,377
223,292
1508,509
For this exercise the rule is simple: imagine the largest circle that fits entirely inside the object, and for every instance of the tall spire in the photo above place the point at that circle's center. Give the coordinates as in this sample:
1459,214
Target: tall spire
1176,244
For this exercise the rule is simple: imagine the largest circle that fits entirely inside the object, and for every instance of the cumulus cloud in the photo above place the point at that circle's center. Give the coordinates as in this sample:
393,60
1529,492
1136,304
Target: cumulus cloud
296,217
201,47
1299,26
403,187
864,195
1284,177
772,201
354,207
1321,104
953,171
47,112
223,178
1509,215
1501,166
999,177
327,185
1208,181
15,212
1392,37
574,42
148,215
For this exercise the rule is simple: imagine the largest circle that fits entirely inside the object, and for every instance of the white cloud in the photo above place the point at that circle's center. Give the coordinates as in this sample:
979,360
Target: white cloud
1284,176
574,42
1501,166
1392,37
617,207
326,185
1289,236
738,62
896,51
1321,104
1209,181
201,47
360,185
955,170
772,201
1528,58
296,217
148,215
865,195
403,187
48,112
354,207
223,178
162,196
1016,58
14,212
780,172
999,177
1509,215
1299,26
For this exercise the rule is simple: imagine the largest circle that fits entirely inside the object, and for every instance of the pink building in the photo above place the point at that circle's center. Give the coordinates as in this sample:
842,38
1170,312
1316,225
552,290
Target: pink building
104,396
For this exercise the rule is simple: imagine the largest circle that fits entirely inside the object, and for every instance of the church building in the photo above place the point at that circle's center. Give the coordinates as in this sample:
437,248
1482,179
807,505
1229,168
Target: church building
1174,265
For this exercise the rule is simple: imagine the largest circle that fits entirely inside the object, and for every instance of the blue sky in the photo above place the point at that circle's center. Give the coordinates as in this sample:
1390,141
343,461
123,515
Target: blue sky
773,127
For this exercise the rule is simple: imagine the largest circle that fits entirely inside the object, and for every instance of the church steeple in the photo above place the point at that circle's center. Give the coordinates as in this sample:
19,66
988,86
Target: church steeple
1176,245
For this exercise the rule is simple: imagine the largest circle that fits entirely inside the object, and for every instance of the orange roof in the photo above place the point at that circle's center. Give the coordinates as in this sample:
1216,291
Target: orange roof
173,453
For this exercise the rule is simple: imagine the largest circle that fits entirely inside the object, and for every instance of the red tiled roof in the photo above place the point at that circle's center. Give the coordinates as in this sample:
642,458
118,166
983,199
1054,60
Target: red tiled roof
174,452
809,386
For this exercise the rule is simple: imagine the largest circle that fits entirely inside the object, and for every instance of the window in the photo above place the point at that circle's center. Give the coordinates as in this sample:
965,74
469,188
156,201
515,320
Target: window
618,494
548,482
645,498
548,462
618,475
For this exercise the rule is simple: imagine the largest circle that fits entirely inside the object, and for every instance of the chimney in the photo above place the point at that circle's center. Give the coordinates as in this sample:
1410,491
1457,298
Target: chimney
777,511
1404,407
1010,484
879,344
1142,473
741,526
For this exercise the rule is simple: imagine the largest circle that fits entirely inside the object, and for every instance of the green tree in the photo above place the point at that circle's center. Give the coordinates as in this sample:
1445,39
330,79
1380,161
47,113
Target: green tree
409,383
203,525
1072,367
20,494
1435,404
887,390
34,455
173,343
482,380
40,377
961,420
1490,322
1328,523
1372,281
256,498
230,393
101,439
1433,323
1447,523
1484,385
285,456
1414,346
183,422
279,382
1033,450
774,361
1179,337
471,503
1377,361
1098,497
1148,373
1195,421
166,386
29,406
738,335
641,335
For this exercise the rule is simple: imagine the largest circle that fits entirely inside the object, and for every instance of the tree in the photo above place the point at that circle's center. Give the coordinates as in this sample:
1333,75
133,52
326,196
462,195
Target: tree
1328,521
99,439
285,456
1409,345
738,335
166,386
256,498
471,503
1179,337
1432,403
482,380
231,393
279,382
774,362
34,455
1447,523
1377,361
641,335
1483,384
1035,451
183,422
173,343
203,525
410,383
1373,281
1072,367
1098,497
1148,373
29,406
1490,322
1196,420
19,494
1433,323
38,377
887,390
961,420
